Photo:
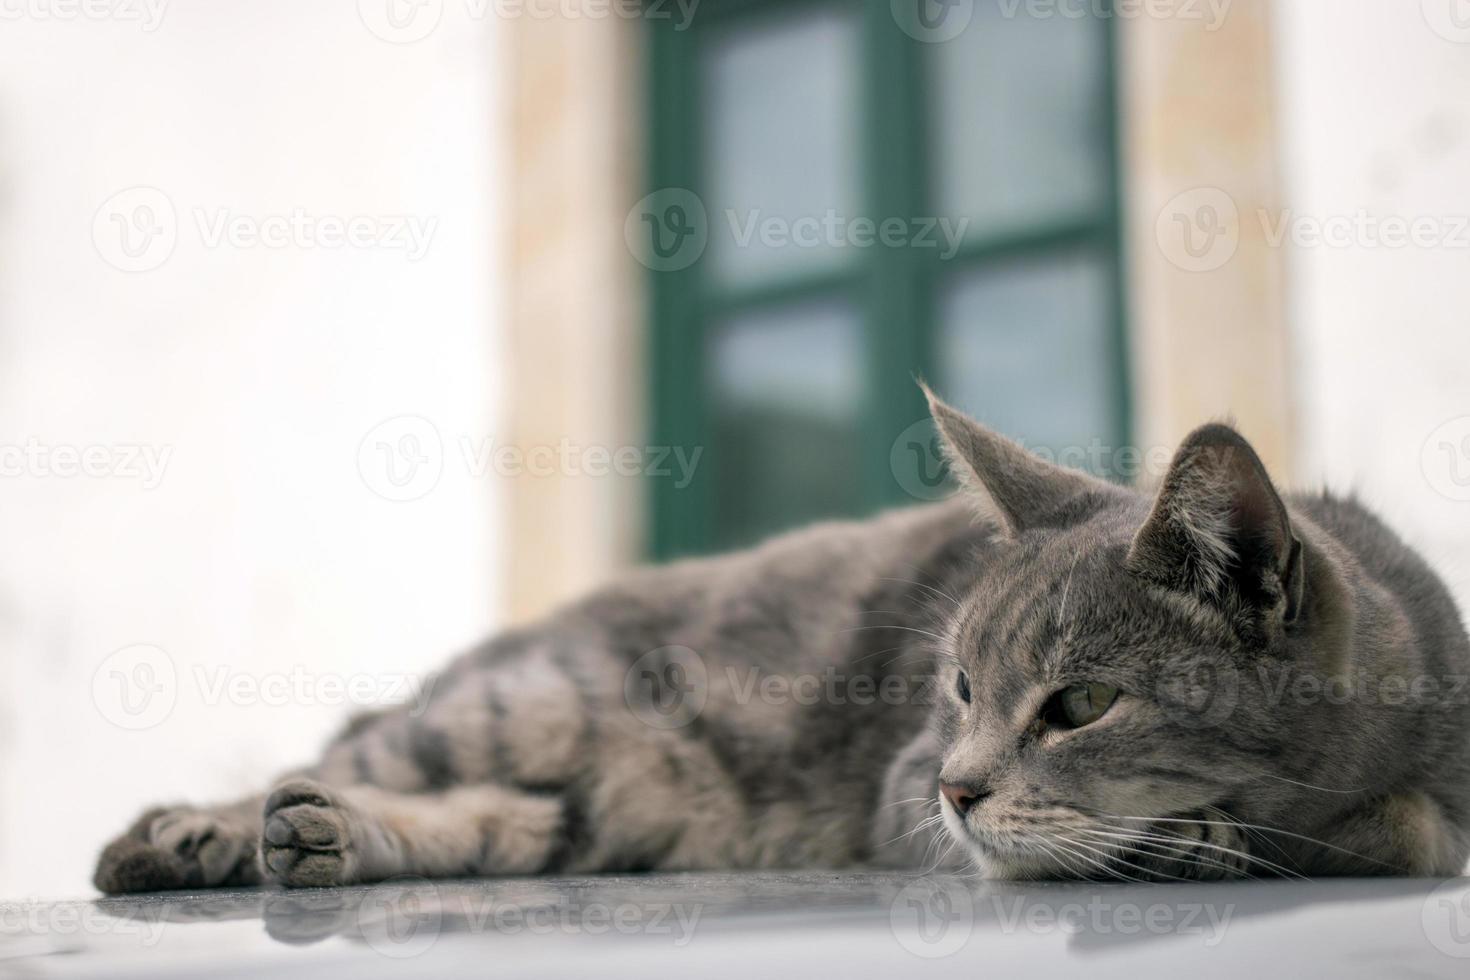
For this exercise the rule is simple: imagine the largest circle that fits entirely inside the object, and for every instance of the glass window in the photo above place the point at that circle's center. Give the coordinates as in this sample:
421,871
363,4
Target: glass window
781,140
786,387
1020,121
1027,347
791,365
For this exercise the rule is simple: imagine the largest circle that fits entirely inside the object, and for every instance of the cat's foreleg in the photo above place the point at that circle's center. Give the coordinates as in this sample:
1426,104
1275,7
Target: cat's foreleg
184,847
318,835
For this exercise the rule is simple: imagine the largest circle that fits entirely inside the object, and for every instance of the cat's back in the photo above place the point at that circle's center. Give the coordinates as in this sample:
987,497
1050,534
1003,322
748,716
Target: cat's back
789,593
1395,569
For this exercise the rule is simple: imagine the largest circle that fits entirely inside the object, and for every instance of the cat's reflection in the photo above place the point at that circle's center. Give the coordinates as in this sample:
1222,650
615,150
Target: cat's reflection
930,915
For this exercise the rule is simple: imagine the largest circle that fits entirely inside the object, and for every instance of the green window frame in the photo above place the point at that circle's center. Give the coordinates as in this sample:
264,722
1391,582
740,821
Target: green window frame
896,288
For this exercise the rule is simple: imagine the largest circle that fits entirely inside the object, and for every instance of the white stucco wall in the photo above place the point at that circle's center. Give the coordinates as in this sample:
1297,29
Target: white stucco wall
1375,124
261,556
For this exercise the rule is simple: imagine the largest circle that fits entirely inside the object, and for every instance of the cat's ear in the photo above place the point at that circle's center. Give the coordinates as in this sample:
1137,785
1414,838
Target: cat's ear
1015,488
1220,532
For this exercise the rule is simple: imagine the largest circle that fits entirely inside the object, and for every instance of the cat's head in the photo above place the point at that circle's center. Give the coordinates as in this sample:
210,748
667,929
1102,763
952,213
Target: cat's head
1106,698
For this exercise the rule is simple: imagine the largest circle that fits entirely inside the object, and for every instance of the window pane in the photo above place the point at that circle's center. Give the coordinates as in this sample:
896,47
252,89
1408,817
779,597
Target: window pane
781,140
786,390
1020,125
1028,347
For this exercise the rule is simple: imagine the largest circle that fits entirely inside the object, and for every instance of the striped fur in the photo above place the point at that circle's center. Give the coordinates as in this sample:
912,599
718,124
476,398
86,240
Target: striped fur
824,668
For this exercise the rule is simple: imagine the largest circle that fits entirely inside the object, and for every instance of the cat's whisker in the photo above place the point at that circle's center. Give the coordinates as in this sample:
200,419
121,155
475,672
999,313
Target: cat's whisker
1297,782
932,820
1164,837
948,657
1279,869
1262,839
1066,591
908,629
889,663
933,848
912,799
940,859
1153,848
1254,835
927,822
927,588
1122,860
1160,842
906,651
1101,862
920,571
1057,853
918,651
1270,830
1072,850
1032,841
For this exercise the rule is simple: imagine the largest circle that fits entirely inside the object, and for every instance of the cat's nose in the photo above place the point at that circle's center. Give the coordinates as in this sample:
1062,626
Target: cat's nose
962,798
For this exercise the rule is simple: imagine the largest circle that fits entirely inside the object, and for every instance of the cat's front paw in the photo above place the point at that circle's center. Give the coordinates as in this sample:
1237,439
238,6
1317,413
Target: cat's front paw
178,847
308,837
1202,849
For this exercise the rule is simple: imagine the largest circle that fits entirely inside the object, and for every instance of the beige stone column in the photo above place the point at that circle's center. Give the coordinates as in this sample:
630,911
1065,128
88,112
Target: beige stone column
1206,288
575,318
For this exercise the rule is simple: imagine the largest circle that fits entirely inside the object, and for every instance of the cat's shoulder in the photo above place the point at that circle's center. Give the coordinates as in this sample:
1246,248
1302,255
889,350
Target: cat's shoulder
1345,515
1380,553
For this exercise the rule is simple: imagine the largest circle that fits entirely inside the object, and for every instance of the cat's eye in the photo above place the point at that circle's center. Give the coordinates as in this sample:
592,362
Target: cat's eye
1078,705
962,687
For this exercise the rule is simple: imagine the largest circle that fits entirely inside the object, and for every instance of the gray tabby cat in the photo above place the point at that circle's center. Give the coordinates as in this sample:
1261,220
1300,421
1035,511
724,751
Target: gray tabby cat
1082,682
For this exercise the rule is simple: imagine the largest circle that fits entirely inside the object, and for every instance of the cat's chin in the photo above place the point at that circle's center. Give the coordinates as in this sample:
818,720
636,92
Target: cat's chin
1005,865
998,862
1019,867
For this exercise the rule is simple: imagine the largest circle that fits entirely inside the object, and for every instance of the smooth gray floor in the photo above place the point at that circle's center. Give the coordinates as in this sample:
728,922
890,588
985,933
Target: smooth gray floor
812,925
